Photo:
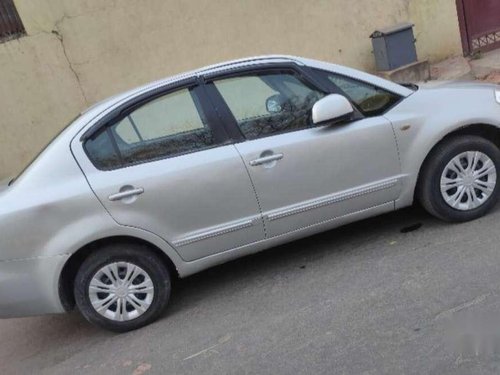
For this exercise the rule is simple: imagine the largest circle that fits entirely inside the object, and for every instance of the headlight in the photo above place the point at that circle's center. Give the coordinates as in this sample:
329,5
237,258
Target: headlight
497,95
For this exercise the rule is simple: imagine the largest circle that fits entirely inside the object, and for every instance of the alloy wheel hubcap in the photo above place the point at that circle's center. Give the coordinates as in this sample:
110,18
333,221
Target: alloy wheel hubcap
468,180
121,291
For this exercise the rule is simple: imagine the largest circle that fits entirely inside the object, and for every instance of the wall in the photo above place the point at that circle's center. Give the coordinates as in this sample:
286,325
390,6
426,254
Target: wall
436,28
80,51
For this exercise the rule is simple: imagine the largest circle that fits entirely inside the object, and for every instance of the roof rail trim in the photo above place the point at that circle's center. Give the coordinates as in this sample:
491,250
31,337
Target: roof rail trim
228,64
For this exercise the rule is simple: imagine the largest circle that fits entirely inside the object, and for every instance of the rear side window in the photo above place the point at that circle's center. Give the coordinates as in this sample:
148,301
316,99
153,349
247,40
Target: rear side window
171,125
370,100
101,150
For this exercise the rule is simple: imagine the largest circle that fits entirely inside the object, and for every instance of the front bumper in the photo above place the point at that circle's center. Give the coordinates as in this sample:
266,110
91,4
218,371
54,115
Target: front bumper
30,286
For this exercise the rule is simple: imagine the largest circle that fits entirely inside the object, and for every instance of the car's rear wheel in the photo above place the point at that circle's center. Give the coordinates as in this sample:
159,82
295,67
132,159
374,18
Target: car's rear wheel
460,179
122,287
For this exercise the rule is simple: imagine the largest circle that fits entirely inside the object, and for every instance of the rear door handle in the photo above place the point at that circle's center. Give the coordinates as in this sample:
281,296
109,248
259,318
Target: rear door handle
126,193
266,159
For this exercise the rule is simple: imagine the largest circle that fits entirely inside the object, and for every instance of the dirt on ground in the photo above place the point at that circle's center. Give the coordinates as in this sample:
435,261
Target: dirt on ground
493,78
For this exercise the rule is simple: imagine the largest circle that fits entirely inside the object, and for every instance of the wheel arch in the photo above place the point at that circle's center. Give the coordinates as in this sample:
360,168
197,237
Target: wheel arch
70,268
486,131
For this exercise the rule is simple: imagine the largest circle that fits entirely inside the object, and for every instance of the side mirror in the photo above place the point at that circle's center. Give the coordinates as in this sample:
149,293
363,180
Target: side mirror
333,107
275,104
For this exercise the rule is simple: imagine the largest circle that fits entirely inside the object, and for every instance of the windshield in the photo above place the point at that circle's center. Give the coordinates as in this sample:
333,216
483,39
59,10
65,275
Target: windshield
41,151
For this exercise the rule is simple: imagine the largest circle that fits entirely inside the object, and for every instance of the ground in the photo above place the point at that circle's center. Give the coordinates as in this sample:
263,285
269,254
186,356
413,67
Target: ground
483,67
373,297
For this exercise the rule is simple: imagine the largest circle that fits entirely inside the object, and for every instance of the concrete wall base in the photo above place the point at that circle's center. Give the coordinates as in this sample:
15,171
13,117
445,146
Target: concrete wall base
419,71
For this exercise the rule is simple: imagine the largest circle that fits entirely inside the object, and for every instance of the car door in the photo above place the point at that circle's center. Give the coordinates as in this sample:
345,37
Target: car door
306,175
165,165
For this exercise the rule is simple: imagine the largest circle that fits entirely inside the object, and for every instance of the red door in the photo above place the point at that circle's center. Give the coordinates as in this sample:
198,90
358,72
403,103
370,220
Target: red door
479,24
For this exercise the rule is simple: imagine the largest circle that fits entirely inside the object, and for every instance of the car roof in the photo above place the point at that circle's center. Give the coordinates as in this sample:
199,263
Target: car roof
209,69
239,63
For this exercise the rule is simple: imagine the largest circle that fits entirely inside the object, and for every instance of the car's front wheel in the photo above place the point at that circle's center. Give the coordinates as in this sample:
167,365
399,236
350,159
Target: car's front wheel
122,287
460,180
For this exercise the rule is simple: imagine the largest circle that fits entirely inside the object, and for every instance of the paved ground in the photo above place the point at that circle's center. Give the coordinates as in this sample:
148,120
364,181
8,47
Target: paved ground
363,299
484,67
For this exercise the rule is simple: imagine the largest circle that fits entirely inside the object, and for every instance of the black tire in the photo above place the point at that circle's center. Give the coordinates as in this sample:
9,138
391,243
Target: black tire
429,191
138,255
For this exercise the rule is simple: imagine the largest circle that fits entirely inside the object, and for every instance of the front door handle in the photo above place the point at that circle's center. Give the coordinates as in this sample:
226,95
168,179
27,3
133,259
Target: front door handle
126,192
266,159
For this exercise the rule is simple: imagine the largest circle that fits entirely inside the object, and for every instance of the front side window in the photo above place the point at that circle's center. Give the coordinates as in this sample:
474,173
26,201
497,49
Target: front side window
371,100
267,104
168,126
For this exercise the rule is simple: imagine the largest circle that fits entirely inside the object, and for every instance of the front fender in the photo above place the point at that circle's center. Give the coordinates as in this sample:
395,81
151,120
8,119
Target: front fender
424,119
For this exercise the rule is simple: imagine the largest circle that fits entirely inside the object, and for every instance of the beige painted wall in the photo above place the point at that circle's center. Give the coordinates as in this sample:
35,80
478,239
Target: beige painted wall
80,51
436,28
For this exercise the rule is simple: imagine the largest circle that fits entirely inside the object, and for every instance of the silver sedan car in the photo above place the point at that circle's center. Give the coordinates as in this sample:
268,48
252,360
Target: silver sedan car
195,170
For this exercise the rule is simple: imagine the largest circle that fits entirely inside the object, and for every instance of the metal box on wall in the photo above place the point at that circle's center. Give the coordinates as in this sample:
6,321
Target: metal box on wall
394,46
